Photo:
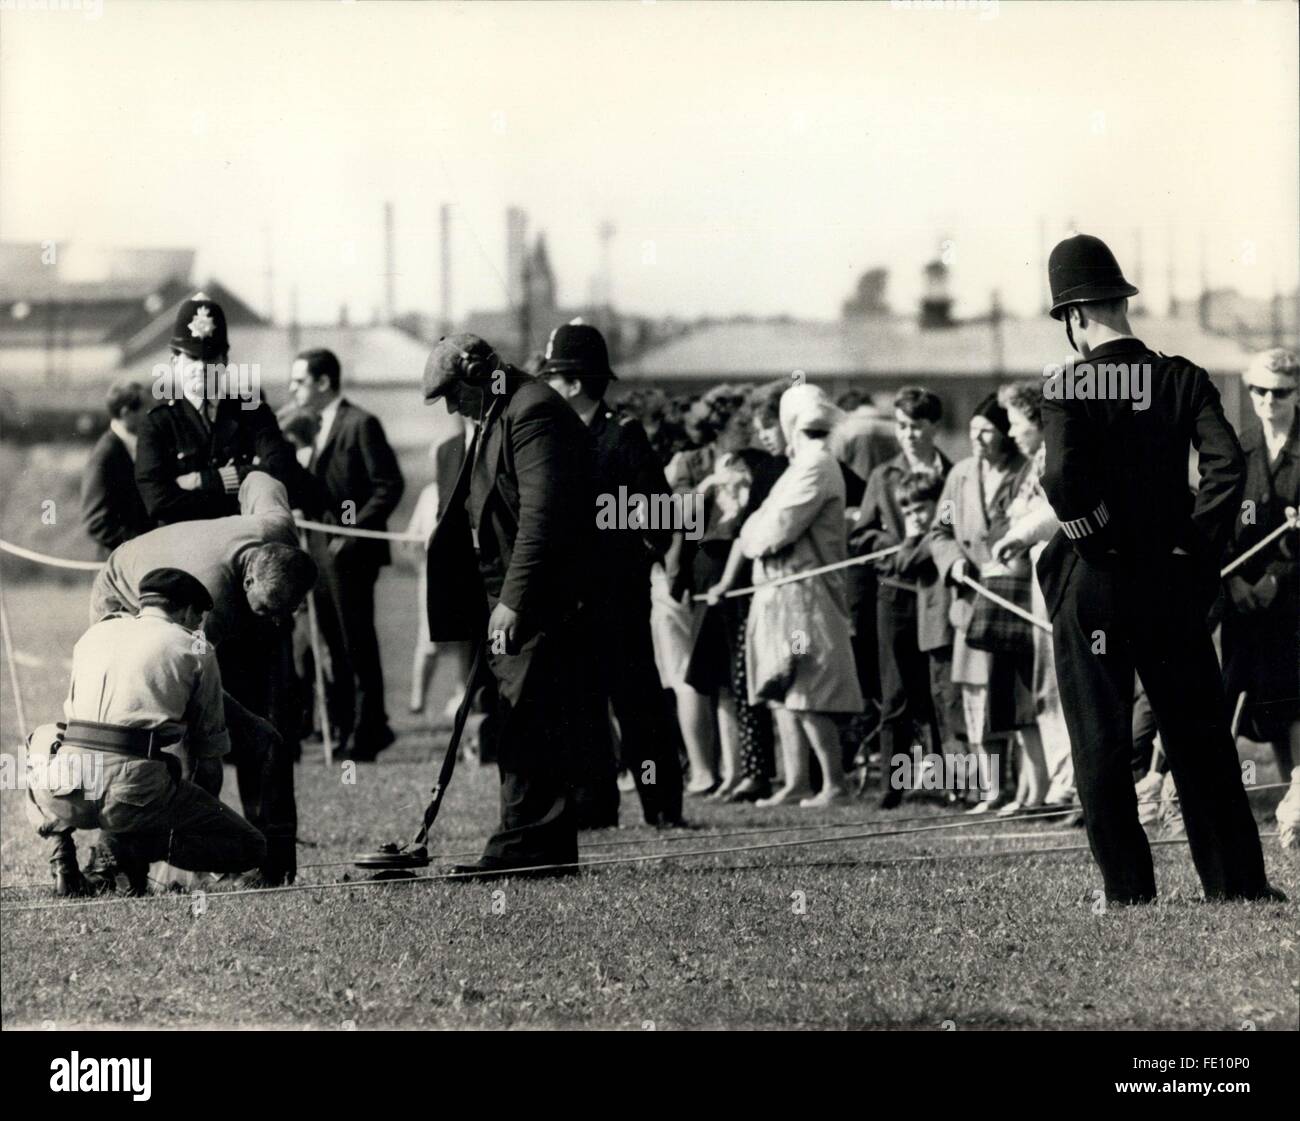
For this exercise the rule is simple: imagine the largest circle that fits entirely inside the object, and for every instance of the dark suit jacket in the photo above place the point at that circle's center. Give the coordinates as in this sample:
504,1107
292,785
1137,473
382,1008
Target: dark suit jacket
528,488
111,507
1118,474
175,440
357,465
448,458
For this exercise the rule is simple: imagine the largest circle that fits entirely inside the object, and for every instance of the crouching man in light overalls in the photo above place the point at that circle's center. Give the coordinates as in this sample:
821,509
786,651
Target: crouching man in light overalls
144,716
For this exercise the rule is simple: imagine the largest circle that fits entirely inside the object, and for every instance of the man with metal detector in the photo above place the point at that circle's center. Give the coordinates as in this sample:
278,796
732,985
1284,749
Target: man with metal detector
507,568
1130,575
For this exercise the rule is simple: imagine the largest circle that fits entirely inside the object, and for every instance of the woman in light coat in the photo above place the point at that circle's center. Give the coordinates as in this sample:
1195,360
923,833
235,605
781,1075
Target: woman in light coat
799,652
972,517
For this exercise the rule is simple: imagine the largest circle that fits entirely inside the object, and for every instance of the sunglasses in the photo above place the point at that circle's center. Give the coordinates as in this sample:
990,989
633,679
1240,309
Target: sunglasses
1278,394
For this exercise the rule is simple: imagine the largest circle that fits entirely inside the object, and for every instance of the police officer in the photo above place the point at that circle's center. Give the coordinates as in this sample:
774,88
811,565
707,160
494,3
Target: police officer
1131,574
142,685
625,678
209,428
196,447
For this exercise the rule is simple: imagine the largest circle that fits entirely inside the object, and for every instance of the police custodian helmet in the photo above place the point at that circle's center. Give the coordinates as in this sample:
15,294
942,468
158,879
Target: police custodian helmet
577,350
200,330
1082,269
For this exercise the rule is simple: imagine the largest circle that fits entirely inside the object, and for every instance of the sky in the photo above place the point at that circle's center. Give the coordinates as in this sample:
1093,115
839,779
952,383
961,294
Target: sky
752,158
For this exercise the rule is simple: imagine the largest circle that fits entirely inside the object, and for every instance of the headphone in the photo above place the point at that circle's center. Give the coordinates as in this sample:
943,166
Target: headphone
479,367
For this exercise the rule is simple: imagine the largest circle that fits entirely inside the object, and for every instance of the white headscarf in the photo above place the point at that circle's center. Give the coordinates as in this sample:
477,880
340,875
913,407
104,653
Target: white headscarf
806,407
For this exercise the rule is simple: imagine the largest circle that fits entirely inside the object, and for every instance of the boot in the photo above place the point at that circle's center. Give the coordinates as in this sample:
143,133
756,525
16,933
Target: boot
68,881
112,861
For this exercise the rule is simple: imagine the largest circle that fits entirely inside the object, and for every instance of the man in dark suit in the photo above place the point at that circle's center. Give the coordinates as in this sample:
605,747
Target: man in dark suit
624,676
361,485
111,507
507,567
1130,576
208,432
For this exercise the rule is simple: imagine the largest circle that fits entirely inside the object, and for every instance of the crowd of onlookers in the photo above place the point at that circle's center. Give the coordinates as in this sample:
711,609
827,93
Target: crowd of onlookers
801,691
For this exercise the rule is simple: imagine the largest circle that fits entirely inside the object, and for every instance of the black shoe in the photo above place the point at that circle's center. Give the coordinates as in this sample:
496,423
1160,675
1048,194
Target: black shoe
114,868
586,824
365,749
490,871
891,799
667,821
1270,894
69,883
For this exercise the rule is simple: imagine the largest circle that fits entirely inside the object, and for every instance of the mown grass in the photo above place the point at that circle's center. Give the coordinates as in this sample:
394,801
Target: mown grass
816,936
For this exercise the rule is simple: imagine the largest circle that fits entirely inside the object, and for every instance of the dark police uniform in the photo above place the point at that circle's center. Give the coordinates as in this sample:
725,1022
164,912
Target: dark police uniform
175,439
1128,580
625,663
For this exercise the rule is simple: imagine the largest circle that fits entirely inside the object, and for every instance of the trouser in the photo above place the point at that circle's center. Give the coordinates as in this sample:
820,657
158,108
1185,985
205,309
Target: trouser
142,804
649,745
540,709
1109,625
905,700
257,672
345,601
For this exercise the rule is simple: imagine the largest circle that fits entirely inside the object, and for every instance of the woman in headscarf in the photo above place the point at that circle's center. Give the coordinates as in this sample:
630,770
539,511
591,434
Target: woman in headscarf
799,651
996,701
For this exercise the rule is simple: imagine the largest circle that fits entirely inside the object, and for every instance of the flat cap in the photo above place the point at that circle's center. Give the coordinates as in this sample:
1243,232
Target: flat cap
175,586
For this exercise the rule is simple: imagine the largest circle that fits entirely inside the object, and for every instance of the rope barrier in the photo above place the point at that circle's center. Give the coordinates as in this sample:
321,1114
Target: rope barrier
866,558
355,531
1292,522
52,562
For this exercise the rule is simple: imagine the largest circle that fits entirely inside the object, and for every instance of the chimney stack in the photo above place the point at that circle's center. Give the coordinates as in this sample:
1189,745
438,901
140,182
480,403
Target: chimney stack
936,303
390,266
444,225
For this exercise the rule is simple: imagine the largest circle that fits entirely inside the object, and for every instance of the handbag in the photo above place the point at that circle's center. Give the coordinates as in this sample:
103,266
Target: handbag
993,628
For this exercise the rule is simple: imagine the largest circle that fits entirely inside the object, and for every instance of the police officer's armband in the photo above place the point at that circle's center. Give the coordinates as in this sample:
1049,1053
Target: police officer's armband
1078,528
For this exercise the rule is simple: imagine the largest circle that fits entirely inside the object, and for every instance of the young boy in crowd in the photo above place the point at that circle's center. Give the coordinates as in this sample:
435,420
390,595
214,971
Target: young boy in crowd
917,494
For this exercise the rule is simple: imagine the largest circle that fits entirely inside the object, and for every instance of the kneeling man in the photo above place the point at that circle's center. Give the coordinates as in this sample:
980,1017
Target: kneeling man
144,716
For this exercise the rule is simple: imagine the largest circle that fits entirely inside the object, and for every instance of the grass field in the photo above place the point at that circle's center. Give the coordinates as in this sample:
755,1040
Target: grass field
895,932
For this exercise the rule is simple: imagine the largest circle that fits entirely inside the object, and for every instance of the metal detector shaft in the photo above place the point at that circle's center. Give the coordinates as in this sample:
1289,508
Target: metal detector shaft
477,660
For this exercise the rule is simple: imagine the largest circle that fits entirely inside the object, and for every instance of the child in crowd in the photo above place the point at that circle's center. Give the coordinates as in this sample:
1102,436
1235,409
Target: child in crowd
918,493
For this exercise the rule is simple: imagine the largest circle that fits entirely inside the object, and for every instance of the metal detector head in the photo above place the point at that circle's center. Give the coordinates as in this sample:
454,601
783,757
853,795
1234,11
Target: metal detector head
396,857
393,856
